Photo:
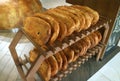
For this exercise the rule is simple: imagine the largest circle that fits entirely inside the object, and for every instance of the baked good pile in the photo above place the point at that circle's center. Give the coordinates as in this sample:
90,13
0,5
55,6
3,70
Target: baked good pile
13,12
60,61
60,22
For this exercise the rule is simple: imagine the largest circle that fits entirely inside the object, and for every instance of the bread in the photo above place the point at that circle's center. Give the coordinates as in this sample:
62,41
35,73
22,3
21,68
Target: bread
62,25
38,29
91,12
65,62
53,63
74,17
45,68
69,53
88,19
13,13
59,60
79,15
76,52
92,41
86,40
99,35
54,26
66,19
95,39
83,47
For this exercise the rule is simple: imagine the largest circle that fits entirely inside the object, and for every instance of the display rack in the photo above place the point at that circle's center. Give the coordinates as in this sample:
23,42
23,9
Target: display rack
102,25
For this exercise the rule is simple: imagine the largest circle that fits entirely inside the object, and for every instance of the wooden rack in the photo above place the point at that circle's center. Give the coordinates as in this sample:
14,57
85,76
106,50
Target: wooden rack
58,46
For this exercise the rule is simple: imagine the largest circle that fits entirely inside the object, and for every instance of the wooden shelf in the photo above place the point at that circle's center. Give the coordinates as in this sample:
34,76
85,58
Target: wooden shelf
58,46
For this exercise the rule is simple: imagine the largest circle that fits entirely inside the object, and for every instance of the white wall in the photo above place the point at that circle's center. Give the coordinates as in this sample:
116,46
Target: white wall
53,3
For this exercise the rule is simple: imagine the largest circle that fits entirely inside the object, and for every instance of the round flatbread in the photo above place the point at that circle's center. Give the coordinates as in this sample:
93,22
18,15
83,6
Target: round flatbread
82,47
92,12
65,62
87,41
99,35
79,15
62,25
91,40
38,29
76,52
45,68
74,17
69,54
88,19
59,60
53,63
65,19
54,25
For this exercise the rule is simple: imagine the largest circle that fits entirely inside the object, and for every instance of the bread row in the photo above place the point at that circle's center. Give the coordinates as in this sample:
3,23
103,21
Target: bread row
53,64
13,12
57,23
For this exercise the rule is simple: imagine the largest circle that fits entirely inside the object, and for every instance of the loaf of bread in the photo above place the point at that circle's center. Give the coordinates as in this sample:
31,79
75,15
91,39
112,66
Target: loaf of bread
63,21
13,12
45,68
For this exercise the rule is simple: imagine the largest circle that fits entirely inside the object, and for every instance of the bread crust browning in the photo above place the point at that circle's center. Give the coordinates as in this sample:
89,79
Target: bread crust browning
53,63
65,19
59,60
76,52
99,35
65,62
63,27
69,54
45,68
38,29
54,26
74,17
79,15
87,17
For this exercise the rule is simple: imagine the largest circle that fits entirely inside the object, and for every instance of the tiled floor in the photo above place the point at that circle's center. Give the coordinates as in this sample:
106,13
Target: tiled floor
109,72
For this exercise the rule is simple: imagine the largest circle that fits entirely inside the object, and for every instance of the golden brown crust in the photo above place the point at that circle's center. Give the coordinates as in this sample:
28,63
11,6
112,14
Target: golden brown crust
69,54
45,68
13,13
62,25
59,60
91,40
99,35
86,15
53,63
8,15
74,17
91,12
65,62
78,14
94,13
85,45
95,36
65,19
76,52
38,29
87,42
28,8
82,47
54,26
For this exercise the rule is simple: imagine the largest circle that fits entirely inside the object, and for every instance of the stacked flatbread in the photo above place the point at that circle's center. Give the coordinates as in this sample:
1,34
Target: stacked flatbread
13,12
57,23
60,61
